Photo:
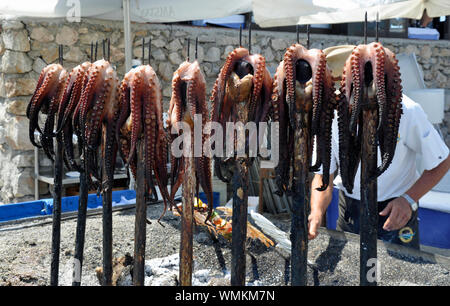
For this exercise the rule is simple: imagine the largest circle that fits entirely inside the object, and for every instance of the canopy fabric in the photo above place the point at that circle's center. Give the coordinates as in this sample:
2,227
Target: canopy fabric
290,12
140,10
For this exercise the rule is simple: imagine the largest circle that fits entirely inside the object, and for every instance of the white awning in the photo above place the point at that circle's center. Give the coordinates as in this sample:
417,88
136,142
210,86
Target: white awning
140,10
290,12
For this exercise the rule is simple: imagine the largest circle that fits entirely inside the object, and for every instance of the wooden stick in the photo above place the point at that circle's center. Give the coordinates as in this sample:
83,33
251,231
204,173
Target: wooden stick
56,227
141,218
187,220
57,193
300,204
81,226
107,220
239,220
368,209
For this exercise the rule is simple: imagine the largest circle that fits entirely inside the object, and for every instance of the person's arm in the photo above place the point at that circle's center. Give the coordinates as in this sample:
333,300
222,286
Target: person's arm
399,209
319,204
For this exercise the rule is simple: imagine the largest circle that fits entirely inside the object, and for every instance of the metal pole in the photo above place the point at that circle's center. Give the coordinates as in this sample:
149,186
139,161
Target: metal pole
368,209
56,227
127,34
141,218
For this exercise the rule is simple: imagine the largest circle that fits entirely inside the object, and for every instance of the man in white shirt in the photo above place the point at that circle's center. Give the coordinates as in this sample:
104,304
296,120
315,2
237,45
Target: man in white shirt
399,188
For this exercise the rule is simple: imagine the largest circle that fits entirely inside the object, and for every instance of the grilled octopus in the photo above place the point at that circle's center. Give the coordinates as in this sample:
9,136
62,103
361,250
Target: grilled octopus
141,118
69,103
46,100
97,116
376,67
241,93
303,96
189,99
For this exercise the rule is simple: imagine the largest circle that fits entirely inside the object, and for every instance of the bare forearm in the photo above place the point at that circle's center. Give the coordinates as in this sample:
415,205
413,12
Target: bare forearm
428,180
320,199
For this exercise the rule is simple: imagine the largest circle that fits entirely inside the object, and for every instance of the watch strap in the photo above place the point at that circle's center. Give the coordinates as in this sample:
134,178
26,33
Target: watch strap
410,201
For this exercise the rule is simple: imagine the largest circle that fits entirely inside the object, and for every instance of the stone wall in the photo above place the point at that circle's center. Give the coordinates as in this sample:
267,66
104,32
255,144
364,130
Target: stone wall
27,46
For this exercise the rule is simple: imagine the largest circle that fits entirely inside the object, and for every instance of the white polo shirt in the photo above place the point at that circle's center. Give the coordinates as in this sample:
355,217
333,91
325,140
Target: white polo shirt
416,136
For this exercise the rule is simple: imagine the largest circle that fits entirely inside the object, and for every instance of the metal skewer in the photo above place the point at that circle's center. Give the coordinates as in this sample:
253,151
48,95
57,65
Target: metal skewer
143,51
104,48
149,49
196,47
308,30
298,34
187,50
240,36
92,52
365,29
109,49
250,38
376,27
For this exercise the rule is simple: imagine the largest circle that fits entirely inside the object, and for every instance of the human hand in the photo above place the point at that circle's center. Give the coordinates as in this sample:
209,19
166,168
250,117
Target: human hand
399,212
314,222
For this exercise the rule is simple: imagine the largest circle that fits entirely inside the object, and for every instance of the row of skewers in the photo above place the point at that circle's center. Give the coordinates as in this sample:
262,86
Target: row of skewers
109,116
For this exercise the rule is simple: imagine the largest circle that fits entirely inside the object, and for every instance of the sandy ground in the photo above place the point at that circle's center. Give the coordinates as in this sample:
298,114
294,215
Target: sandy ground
25,254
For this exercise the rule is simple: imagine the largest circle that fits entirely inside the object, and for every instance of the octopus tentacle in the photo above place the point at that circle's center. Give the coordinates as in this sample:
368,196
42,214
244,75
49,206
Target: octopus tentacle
232,87
308,78
391,121
97,115
188,100
46,95
279,115
368,65
140,118
69,102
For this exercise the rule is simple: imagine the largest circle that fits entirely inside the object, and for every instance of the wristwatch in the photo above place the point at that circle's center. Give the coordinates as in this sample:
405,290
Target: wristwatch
411,202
